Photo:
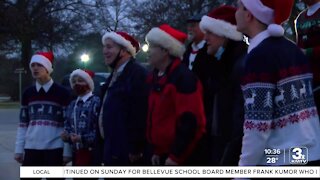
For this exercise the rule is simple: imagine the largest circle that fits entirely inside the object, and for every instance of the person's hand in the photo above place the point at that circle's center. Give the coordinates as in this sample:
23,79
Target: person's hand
135,157
18,157
170,162
75,138
64,136
155,160
66,160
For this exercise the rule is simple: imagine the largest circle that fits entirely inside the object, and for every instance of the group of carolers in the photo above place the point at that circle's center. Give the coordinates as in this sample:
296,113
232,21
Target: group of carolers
216,102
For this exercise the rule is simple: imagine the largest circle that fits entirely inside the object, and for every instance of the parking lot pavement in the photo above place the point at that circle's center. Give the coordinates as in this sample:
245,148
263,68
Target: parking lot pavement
9,168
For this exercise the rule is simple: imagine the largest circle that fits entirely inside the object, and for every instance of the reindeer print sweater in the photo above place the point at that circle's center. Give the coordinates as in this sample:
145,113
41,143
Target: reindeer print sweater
41,118
280,113
82,118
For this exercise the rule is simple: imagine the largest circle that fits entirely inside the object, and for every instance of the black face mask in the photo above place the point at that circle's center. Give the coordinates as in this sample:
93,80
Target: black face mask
80,89
115,62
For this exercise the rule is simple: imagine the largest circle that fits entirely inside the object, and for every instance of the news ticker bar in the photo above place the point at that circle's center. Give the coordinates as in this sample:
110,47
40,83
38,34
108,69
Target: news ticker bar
168,172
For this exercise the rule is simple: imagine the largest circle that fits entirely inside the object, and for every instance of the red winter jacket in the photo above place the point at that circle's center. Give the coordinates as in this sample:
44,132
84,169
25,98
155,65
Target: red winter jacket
176,118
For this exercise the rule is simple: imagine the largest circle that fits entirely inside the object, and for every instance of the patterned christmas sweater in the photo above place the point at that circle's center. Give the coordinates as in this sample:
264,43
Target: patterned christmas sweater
41,118
82,118
308,37
279,107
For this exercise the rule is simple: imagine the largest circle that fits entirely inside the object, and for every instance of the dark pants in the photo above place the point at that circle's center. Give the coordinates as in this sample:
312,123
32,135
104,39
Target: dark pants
216,150
232,152
198,157
52,157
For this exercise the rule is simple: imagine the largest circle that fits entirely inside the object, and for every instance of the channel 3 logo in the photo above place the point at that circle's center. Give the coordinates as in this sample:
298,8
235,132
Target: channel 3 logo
298,155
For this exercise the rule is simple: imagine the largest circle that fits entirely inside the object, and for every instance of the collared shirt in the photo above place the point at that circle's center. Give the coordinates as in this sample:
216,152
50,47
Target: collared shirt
254,42
312,9
194,52
45,87
85,97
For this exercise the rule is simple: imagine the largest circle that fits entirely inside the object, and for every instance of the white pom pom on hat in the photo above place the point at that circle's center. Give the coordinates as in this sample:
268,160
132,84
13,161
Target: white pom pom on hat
270,12
275,30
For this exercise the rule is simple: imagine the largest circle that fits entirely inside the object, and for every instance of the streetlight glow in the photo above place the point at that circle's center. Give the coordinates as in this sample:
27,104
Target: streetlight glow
84,57
145,48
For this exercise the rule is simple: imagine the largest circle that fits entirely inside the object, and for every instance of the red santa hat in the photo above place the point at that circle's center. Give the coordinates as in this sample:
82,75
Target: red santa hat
168,38
123,39
270,12
43,58
222,22
87,75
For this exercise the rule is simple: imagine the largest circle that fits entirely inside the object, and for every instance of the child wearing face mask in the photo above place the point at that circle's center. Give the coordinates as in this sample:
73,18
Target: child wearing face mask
81,119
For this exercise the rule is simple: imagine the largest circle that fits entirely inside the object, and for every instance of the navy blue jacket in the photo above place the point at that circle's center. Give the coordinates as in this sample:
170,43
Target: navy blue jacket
205,67
124,114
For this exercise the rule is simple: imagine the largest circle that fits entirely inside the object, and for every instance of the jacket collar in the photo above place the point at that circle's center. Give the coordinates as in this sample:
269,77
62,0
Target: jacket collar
160,81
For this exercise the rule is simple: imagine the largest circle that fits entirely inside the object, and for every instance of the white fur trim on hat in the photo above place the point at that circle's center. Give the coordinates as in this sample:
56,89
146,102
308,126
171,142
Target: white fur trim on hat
220,28
84,75
119,40
45,62
159,37
260,11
